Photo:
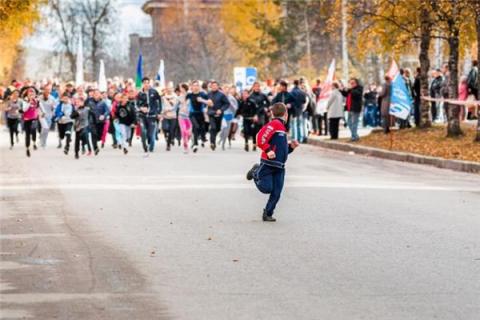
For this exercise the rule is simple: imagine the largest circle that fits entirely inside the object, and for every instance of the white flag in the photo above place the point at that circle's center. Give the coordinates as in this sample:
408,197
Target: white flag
326,90
79,64
102,79
161,74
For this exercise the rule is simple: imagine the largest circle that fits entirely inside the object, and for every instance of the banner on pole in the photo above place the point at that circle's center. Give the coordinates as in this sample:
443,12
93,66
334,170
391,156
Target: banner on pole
326,90
244,77
400,99
161,74
102,79
79,62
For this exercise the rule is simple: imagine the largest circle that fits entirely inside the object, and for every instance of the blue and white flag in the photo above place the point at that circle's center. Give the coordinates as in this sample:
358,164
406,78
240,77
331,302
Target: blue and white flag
400,99
161,74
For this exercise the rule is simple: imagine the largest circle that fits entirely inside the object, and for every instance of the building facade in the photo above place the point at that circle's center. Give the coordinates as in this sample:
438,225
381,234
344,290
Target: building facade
170,26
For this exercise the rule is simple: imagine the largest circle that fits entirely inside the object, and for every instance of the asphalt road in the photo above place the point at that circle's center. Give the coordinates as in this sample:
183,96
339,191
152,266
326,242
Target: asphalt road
177,236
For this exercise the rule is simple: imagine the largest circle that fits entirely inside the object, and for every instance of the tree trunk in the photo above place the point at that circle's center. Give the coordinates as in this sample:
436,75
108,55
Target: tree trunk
425,38
93,54
453,110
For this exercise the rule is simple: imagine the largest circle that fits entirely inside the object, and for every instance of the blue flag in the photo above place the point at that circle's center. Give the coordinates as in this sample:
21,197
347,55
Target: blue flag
401,101
139,75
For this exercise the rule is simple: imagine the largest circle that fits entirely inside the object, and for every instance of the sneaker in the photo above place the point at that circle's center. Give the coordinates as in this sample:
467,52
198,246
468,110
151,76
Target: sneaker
254,147
114,146
125,150
246,147
251,172
96,151
212,146
267,218
77,156
34,146
203,144
195,149
168,147
28,152
65,150
103,145
59,145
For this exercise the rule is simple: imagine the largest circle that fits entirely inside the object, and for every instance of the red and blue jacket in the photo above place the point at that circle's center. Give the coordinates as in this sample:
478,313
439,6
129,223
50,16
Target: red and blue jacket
273,137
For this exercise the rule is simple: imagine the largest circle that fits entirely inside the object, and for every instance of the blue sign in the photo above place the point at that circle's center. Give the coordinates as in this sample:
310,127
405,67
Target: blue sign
244,77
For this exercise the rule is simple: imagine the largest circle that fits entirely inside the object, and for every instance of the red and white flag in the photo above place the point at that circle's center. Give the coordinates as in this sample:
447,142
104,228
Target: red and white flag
326,90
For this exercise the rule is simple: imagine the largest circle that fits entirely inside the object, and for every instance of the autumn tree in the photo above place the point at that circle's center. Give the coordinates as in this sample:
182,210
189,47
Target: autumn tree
280,37
395,26
475,9
450,19
17,18
93,19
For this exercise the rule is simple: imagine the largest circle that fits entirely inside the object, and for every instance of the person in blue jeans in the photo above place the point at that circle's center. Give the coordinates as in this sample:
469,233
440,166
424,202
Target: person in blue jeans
269,175
354,95
150,108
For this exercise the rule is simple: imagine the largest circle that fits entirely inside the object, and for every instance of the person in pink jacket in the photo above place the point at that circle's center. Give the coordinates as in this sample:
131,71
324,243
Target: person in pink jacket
31,111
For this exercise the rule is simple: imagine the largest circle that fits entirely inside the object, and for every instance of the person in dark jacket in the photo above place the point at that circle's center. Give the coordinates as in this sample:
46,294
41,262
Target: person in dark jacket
82,116
473,80
126,116
217,103
197,113
262,105
299,98
150,107
435,92
371,115
247,109
269,175
100,109
354,95
284,97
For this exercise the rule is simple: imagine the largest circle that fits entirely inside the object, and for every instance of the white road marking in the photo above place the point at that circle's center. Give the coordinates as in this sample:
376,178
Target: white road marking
209,186
29,235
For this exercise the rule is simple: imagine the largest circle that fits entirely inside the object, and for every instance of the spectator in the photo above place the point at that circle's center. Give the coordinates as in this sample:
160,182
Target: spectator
334,110
385,94
472,80
354,95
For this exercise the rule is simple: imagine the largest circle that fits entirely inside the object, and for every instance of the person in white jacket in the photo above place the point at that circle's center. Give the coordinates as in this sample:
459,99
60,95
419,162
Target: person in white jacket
334,110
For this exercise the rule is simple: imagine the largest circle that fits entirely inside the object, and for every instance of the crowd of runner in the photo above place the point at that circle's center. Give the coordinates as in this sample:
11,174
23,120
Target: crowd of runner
200,113
191,114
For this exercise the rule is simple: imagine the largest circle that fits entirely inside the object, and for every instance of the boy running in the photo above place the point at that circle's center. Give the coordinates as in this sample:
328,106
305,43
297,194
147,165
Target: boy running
270,173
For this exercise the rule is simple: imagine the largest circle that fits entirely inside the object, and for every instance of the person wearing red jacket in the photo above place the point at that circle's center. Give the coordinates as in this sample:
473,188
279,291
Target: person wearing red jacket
269,175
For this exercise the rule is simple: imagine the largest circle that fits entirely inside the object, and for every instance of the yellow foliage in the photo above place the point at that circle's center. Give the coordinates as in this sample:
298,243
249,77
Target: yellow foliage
239,21
16,21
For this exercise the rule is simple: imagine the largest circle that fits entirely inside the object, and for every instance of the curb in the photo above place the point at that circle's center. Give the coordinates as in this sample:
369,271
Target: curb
457,165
